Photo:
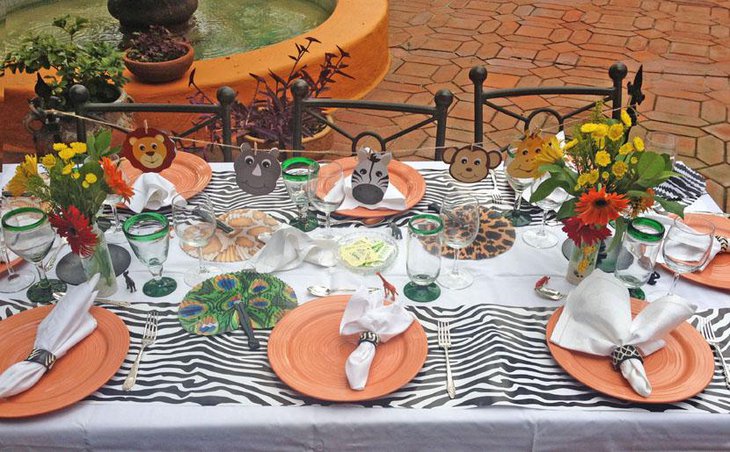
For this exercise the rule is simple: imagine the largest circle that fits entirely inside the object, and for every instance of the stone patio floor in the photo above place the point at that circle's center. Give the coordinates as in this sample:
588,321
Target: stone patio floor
683,45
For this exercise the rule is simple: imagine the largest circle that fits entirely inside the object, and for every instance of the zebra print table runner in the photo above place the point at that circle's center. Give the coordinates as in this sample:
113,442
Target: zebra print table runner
499,357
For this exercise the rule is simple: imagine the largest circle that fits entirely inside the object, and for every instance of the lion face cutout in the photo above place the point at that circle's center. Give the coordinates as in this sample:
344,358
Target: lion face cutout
470,163
257,171
524,163
149,150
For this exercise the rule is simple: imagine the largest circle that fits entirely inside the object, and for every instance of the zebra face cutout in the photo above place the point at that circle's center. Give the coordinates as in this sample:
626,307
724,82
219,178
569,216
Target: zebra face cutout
370,178
257,172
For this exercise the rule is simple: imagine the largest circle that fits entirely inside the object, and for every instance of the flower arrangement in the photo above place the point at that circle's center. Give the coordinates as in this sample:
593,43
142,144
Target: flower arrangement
80,176
609,176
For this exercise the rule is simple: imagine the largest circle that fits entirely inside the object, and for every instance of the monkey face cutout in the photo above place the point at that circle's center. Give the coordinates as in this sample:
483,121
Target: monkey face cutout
257,172
524,165
149,150
471,163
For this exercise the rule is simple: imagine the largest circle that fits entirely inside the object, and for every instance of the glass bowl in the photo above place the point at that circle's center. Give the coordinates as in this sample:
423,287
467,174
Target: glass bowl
370,244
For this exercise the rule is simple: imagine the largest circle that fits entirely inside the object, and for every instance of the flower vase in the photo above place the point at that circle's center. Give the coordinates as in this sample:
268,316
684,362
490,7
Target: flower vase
100,262
582,262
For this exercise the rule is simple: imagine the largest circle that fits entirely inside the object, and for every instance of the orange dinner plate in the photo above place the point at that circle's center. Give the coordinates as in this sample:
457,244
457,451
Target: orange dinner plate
187,172
405,178
717,273
680,370
307,352
77,374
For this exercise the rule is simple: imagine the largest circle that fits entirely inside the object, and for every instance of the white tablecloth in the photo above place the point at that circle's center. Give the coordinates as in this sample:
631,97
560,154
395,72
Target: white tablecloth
507,279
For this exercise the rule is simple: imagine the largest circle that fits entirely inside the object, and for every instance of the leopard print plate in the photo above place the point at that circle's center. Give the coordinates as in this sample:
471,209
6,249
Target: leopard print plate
496,236
241,244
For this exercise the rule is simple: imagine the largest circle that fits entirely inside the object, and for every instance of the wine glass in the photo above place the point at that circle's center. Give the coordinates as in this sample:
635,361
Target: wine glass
542,238
149,236
16,280
28,234
115,234
326,189
294,172
687,247
423,262
460,216
519,179
662,143
194,220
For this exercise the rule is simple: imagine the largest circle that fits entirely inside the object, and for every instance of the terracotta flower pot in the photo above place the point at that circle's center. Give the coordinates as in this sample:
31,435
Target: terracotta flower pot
321,141
163,71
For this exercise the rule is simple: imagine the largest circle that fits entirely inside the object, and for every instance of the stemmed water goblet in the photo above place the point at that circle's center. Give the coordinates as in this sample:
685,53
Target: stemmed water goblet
149,236
541,237
294,172
28,233
326,189
423,262
687,247
194,219
15,280
518,180
460,216
115,234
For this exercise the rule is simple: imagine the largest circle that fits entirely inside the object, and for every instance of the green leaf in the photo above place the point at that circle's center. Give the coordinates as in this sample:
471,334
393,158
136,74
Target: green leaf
567,210
546,187
670,206
103,140
618,233
650,166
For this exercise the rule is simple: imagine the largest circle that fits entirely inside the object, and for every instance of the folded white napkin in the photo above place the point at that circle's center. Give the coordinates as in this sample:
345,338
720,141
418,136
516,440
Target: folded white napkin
68,323
597,318
392,200
556,198
717,247
367,312
151,191
287,247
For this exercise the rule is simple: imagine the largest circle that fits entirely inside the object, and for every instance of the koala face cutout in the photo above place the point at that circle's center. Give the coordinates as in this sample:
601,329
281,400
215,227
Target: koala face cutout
149,150
470,163
257,172
370,178
526,151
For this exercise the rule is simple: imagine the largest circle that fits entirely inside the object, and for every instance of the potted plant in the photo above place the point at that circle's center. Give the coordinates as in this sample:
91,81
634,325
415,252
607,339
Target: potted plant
266,120
157,56
97,65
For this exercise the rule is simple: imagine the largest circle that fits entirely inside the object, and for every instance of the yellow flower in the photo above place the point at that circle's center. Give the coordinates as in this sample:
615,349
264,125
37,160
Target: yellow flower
550,154
79,148
600,131
19,183
588,127
639,144
58,147
593,176
626,118
90,178
626,148
67,169
582,265
49,161
619,169
85,184
75,175
67,154
605,175
603,158
570,144
583,179
615,132
634,160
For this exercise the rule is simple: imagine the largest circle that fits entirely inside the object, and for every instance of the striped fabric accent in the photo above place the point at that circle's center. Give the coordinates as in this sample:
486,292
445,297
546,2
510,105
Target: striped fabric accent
499,357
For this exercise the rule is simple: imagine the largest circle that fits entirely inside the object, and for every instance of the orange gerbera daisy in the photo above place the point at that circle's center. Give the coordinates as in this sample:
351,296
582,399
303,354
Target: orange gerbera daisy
599,207
115,179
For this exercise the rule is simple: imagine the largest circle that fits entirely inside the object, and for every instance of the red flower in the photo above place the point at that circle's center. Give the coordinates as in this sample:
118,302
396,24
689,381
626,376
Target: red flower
599,207
115,179
582,233
73,225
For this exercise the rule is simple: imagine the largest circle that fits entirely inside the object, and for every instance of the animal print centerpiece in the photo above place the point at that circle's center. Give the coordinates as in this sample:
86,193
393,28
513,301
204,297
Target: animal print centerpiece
370,178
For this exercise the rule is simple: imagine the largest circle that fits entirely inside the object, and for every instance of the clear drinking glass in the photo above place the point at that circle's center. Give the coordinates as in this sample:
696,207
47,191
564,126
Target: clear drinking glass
423,262
194,220
294,172
115,234
15,280
541,238
519,185
28,234
662,143
638,254
149,236
687,246
326,189
460,217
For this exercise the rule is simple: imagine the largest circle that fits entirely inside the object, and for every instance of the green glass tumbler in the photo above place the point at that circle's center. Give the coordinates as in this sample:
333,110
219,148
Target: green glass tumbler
149,236
423,262
294,171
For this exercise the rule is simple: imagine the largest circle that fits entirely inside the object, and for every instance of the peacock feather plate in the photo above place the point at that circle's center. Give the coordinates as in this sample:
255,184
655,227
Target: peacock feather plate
210,307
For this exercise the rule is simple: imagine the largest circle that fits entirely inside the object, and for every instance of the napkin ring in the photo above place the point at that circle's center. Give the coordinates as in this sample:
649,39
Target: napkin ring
42,357
625,353
369,336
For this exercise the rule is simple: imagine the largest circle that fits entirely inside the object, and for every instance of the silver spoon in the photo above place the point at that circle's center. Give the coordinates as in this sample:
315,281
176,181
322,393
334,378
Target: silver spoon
323,291
122,304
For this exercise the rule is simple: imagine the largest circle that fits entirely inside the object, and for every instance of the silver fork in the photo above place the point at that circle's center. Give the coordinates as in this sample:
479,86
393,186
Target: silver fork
444,338
495,194
148,337
709,334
